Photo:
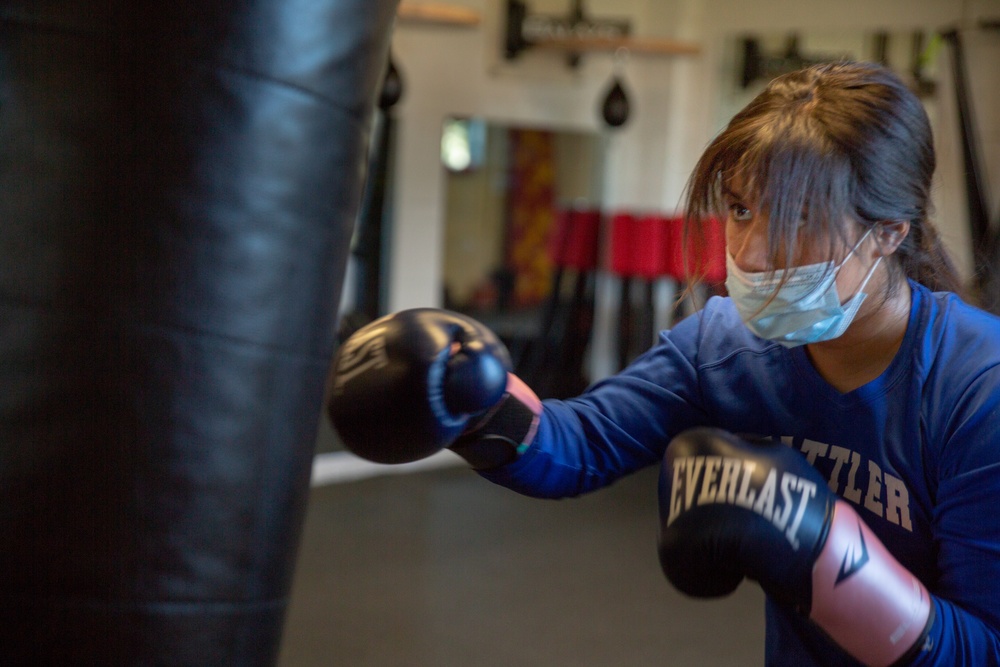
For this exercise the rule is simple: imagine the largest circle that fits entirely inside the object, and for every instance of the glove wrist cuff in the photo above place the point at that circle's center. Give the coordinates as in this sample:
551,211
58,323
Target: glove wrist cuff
504,432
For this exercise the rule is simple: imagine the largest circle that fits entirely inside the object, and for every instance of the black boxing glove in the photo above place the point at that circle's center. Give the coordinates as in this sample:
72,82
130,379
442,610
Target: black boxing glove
409,384
731,509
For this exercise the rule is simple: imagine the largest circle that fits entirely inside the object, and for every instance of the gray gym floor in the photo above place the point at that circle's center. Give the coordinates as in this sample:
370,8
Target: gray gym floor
441,568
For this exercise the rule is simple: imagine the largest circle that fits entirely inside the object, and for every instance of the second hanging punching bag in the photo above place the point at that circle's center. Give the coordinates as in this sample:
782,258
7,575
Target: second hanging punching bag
179,184
615,106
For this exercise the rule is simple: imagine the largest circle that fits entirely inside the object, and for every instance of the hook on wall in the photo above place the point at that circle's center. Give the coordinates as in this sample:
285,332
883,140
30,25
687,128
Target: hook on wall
576,34
526,30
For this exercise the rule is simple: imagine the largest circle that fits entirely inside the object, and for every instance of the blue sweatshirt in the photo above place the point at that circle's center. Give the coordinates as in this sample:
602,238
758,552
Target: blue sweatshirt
916,451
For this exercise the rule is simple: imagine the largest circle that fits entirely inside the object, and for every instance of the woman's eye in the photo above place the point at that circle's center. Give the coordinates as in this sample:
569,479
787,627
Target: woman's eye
739,212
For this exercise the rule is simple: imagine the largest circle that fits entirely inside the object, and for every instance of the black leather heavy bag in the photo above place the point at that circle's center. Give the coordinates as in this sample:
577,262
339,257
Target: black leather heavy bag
178,185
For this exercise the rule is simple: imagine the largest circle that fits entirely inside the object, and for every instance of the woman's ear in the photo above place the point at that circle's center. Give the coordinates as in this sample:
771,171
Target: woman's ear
889,234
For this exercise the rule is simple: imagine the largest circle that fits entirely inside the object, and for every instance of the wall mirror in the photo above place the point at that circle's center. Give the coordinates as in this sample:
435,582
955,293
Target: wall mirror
505,187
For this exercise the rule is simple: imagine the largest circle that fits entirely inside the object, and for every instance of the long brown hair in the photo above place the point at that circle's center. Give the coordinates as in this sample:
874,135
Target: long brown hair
830,142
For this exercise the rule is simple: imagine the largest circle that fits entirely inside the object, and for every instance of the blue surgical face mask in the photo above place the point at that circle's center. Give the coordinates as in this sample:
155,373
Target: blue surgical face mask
805,309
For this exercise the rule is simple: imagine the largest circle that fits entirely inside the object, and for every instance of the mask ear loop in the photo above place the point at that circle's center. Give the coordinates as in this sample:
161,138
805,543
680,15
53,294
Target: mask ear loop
854,248
871,271
868,277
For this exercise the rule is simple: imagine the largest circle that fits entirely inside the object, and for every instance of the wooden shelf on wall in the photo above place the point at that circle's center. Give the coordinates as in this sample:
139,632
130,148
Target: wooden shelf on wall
634,45
437,13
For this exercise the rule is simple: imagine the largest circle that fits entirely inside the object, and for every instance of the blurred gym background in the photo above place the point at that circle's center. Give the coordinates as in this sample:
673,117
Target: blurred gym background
201,198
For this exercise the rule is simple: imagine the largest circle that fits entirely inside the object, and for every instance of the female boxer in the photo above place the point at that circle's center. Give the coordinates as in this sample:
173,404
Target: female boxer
871,525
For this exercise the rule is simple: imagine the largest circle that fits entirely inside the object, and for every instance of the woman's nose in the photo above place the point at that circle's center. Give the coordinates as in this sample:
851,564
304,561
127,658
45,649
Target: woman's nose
749,248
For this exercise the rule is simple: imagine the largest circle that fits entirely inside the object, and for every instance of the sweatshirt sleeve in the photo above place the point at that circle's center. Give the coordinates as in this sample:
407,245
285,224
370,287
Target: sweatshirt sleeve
966,526
617,426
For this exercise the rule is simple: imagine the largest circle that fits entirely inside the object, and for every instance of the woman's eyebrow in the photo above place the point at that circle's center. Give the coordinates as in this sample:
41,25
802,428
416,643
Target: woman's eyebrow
730,193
